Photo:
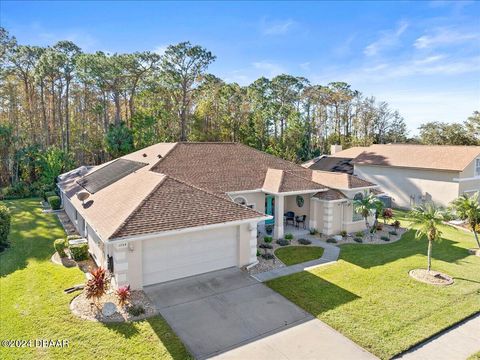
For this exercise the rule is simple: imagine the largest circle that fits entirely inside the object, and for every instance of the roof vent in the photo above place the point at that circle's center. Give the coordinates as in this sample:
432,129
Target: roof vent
82,196
144,155
159,156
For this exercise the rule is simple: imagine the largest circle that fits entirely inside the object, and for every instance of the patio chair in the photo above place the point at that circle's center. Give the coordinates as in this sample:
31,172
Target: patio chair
300,220
289,216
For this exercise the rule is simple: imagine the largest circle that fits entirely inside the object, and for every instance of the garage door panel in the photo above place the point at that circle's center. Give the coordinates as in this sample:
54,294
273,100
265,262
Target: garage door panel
185,255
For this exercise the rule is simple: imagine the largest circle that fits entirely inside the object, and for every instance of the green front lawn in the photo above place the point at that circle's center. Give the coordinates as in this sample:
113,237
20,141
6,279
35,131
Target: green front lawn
292,255
33,305
369,297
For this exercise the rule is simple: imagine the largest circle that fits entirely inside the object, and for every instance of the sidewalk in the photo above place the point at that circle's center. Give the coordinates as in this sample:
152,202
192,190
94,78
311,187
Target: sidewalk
330,255
457,343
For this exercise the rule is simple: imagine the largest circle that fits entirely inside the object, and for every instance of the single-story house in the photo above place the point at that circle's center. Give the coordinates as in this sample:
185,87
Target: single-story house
414,174
174,210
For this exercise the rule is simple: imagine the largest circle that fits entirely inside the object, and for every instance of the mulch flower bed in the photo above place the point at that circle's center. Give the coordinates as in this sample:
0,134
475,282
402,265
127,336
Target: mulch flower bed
86,309
375,238
431,277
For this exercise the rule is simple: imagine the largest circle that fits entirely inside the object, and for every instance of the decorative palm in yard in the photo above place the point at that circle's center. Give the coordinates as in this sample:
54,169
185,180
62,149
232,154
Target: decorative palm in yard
468,208
428,218
367,206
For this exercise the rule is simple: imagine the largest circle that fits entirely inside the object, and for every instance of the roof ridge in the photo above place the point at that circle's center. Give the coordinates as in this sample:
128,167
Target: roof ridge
163,157
304,178
150,194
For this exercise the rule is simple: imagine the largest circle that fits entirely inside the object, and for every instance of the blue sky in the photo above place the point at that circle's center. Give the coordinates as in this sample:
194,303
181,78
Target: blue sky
421,57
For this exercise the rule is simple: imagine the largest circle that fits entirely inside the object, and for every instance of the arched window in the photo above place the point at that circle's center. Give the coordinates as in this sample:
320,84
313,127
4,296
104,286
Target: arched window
240,200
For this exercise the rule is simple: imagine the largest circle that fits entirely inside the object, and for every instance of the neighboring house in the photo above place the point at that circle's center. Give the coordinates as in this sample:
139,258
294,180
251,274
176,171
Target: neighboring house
179,209
414,174
338,161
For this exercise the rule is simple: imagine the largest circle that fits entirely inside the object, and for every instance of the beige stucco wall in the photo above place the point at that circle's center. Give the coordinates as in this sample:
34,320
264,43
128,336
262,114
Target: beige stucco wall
399,183
291,205
333,217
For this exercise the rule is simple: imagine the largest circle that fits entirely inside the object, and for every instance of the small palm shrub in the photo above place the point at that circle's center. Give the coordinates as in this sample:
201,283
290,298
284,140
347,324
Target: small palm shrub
283,242
268,239
60,245
5,220
331,241
385,238
288,236
304,241
97,285
123,294
54,202
358,240
79,252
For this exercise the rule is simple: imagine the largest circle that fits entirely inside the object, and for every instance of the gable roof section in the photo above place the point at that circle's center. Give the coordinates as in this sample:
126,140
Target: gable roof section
334,164
175,205
280,181
436,157
350,153
340,180
223,167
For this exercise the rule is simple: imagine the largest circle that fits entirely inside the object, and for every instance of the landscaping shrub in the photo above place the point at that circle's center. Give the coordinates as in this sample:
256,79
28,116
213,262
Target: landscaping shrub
331,241
73,237
48,194
268,239
283,242
97,285
379,227
136,310
265,246
267,256
304,241
313,231
343,233
79,252
288,236
393,232
5,220
358,240
18,190
387,214
54,202
269,229
359,234
396,224
123,294
258,253
385,238
60,245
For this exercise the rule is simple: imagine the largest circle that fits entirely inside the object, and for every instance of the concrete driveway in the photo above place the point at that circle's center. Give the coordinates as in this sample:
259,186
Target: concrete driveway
229,314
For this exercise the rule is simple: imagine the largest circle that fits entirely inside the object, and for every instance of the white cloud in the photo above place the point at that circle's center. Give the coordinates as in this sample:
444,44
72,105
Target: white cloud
80,37
388,38
269,69
276,27
444,36
305,66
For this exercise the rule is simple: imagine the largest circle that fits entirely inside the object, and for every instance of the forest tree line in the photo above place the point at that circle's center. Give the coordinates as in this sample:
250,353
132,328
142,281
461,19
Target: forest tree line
61,107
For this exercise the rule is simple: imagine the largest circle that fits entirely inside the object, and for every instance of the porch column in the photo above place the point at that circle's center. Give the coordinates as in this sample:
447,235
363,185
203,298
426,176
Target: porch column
279,211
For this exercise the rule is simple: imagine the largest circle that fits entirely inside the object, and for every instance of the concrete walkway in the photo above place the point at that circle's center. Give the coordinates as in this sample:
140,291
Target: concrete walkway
457,343
330,255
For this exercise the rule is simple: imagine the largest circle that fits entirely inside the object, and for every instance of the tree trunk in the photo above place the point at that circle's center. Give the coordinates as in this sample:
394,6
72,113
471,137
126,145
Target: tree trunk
44,115
429,255
476,237
116,98
67,118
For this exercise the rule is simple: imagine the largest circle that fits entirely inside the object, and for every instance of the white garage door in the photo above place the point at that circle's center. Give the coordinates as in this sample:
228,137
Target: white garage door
169,258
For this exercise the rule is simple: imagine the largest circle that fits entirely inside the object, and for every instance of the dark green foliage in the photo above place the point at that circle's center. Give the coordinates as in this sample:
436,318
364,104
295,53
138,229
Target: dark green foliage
135,310
119,140
358,240
331,241
269,229
258,253
267,239
5,221
265,246
393,232
304,241
60,245
385,238
79,252
49,194
283,242
54,202
359,234
313,231
267,256
288,236
343,233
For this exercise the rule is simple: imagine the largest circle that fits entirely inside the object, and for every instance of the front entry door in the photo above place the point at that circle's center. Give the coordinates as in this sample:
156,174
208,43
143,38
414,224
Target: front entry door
270,208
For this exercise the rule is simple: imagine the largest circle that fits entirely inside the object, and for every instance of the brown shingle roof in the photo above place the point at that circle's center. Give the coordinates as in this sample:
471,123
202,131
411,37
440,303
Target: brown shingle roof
174,205
334,164
340,180
223,167
280,181
438,157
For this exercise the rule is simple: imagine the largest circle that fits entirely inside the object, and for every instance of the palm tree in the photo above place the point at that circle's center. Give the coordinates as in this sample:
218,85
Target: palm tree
366,206
428,218
468,208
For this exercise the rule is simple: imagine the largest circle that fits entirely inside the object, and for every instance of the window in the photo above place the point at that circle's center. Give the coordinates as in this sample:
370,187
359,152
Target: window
240,200
477,167
300,201
356,216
